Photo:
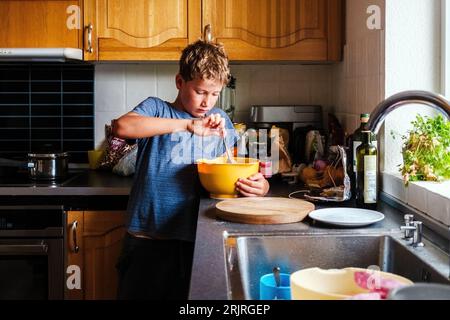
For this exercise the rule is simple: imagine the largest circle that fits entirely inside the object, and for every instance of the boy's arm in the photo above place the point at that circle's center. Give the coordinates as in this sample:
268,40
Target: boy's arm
135,126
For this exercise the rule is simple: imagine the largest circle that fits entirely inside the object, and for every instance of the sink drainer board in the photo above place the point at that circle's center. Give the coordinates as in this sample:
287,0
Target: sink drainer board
250,257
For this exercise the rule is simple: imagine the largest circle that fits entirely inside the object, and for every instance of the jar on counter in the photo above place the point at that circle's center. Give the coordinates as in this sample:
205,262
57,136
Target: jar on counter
265,167
241,149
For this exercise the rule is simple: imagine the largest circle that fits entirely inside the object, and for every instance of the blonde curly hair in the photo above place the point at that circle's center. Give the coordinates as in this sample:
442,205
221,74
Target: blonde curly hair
204,60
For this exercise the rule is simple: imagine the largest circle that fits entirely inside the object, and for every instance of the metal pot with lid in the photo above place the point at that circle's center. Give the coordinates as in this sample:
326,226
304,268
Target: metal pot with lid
48,166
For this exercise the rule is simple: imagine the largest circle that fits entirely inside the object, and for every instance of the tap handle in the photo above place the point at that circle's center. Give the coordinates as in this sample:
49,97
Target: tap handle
417,237
409,219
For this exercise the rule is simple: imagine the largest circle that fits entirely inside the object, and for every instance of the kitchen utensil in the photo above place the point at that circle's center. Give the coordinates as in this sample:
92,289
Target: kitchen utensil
346,217
421,291
276,275
230,158
264,210
48,166
333,284
219,177
270,290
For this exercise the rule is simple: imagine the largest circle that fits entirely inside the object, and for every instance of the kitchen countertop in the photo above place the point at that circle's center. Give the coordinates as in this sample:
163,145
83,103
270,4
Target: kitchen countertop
83,190
80,183
99,190
208,280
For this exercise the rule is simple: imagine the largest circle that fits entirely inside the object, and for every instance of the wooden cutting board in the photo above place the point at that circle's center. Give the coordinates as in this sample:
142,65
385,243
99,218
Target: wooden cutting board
264,210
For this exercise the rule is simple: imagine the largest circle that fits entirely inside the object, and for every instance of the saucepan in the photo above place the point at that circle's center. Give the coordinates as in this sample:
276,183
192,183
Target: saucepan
40,166
48,166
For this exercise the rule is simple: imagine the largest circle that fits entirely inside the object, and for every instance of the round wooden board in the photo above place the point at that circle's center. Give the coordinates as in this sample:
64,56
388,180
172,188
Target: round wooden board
264,210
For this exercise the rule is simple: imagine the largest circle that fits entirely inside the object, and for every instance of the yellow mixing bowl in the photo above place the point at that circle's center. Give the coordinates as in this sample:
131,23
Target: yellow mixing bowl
219,177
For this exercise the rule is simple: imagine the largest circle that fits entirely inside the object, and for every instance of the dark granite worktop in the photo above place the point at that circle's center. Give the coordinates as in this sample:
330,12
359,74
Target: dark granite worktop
84,189
99,190
208,280
79,183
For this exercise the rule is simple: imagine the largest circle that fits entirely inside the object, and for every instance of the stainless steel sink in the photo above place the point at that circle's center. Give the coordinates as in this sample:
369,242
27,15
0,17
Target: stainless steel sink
248,257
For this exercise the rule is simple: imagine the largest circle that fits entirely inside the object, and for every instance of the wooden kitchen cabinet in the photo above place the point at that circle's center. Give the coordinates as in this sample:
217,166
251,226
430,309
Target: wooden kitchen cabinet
302,30
251,30
40,24
98,235
141,29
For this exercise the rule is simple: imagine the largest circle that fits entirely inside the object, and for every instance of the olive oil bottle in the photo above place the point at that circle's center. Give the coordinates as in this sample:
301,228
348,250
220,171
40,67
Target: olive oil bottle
367,173
355,141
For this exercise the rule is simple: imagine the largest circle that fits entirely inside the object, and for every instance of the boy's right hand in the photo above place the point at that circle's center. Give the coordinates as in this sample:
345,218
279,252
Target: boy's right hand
213,124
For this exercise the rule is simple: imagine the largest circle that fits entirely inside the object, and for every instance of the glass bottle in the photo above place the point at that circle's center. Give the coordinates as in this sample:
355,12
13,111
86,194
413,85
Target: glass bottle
356,139
227,99
241,149
367,173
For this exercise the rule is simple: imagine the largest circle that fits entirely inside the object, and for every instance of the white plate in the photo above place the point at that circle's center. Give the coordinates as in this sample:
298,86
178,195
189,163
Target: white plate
347,217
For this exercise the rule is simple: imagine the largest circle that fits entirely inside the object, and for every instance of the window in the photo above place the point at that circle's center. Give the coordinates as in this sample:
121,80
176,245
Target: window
416,59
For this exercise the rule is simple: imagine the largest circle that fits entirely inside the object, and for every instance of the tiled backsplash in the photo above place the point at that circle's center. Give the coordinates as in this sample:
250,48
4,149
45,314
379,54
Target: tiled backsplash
46,107
358,82
120,87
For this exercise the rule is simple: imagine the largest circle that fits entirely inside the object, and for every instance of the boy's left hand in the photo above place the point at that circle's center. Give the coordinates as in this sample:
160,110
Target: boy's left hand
254,186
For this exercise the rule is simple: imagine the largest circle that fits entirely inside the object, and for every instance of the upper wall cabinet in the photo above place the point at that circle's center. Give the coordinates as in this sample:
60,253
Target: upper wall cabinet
252,30
40,24
140,29
302,30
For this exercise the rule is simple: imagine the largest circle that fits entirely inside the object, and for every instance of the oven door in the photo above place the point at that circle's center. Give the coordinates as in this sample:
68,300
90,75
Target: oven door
31,269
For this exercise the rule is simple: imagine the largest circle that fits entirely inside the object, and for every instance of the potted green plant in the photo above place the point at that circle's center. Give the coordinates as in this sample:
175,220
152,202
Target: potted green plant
426,150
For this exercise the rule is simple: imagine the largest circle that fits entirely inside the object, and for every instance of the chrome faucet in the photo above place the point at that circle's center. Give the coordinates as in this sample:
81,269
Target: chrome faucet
377,117
385,107
417,230
409,219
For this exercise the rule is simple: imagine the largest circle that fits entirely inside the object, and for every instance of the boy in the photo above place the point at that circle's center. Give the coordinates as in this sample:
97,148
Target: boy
157,255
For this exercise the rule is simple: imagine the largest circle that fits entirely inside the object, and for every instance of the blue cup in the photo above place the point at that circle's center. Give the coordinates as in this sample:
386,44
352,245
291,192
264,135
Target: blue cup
268,289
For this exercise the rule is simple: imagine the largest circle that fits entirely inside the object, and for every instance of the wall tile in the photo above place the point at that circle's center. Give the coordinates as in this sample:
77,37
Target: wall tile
372,93
243,101
374,53
110,87
361,96
321,93
358,58
264,93
297,73
101,119
295,93
264,73
140,83
165,85
241,73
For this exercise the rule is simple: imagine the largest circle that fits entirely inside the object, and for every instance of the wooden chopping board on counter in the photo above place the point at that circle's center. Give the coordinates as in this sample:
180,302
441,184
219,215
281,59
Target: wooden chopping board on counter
266,210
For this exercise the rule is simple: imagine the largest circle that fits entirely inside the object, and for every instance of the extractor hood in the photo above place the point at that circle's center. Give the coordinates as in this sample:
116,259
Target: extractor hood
40,54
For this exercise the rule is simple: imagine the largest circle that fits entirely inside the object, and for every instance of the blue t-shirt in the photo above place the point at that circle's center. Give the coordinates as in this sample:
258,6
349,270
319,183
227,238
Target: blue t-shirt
164,199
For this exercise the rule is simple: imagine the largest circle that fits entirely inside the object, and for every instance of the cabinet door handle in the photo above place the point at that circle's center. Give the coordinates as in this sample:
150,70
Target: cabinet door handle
75,246
89,29
207,35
